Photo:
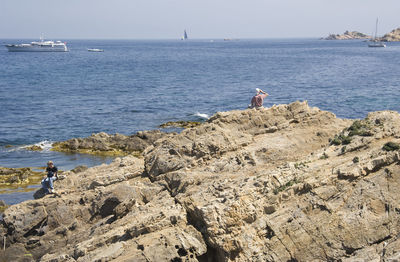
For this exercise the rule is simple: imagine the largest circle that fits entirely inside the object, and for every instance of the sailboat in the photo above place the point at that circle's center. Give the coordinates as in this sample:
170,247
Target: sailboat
375,42
185,36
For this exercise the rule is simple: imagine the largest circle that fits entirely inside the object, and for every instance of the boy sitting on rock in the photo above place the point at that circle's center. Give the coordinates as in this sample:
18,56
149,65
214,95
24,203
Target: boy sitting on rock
52,174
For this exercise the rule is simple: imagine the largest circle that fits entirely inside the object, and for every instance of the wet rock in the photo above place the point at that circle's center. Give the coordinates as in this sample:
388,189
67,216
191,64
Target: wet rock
34,148
180,124
21,176
110,145
3,206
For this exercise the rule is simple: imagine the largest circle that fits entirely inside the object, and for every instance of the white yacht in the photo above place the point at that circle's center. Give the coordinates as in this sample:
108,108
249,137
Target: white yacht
41,46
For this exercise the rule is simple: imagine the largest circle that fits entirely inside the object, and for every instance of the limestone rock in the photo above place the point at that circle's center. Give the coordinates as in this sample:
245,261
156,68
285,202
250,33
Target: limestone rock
393,36
246,185
113,145
348,36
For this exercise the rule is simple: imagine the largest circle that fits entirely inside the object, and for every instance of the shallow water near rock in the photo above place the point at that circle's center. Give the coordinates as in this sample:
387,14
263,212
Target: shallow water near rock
138,85
15,193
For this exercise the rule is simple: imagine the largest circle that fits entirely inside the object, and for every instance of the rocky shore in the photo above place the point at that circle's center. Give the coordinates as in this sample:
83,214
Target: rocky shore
288,183
104,144
110,145
10,177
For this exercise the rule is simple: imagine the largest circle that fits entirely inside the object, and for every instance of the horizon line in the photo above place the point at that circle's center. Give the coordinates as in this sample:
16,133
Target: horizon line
161,39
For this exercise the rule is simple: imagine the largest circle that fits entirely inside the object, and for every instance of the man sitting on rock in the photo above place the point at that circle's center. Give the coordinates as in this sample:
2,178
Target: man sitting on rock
52,174
258,100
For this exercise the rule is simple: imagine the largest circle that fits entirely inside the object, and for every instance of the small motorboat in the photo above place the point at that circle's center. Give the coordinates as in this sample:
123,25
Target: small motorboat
95,50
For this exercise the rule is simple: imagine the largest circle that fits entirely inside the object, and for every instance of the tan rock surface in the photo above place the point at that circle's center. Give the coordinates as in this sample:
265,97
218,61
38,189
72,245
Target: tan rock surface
347,36
393,36
110,145
274,184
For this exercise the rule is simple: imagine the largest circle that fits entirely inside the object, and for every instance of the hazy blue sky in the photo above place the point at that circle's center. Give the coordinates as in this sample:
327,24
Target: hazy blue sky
166,19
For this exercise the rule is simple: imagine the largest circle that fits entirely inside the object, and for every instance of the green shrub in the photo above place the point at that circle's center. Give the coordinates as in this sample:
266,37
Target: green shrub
391,146
360,128
336,141
346,140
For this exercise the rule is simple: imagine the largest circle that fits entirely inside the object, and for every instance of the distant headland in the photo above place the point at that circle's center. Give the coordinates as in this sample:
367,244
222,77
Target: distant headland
347,36
393,36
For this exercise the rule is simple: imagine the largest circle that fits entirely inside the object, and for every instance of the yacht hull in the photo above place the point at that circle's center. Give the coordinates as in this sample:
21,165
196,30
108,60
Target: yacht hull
376,45
29,48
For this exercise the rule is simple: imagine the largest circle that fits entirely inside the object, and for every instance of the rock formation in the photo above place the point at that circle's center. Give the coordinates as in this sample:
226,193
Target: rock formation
393,36
111,145
347,36
18,176
288,183
180,124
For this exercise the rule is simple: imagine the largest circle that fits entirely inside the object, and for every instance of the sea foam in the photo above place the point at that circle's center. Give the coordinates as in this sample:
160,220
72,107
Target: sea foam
203,116
45,145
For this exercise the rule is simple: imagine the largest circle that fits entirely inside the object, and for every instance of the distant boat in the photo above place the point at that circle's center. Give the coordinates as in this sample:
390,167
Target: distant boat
95,50
185,36
375,42
41,46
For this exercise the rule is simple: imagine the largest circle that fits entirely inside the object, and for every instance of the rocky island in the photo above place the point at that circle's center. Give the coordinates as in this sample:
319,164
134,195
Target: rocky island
393,36
347,36
287,183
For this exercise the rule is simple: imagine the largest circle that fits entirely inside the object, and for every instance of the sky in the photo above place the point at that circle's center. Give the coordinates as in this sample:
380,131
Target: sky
203,19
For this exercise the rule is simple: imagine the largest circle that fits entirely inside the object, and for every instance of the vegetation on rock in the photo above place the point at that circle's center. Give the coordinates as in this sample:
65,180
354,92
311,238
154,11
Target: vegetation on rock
3,206
286,186
180,124
34,148
17,177
358,128
391,146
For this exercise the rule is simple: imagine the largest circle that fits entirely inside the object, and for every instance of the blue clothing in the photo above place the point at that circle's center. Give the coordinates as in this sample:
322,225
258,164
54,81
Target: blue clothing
48,183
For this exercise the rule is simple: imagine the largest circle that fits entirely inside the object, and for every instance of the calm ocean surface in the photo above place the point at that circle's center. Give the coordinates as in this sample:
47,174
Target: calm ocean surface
138,85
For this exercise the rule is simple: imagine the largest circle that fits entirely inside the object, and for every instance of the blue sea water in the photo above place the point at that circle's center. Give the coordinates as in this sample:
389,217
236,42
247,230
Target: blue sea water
137,85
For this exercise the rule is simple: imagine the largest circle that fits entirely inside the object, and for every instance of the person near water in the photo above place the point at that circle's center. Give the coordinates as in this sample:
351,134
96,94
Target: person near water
52,174
258,100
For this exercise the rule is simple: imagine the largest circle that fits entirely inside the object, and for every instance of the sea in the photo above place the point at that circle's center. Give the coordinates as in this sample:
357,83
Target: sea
137,85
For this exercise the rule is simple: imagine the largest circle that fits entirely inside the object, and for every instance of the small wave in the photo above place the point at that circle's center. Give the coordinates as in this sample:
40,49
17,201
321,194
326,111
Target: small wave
45,145
204,116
